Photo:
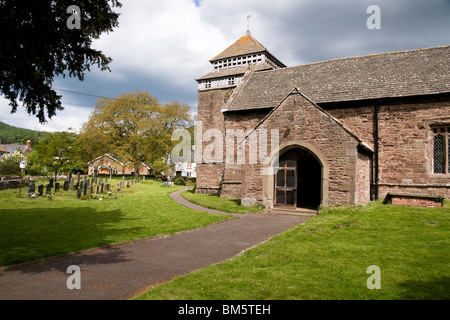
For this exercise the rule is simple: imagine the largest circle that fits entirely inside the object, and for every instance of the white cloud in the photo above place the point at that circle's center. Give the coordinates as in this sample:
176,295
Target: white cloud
162,46
72,117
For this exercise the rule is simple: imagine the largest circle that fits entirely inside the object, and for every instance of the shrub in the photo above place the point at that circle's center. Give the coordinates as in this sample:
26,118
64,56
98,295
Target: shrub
179,181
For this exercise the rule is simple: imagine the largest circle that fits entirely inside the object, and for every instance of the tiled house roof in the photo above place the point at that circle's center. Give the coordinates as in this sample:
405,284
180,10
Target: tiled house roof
397,74
3,149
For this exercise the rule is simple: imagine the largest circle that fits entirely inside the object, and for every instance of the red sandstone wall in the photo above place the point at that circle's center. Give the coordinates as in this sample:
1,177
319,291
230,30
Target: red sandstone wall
299,120
406,149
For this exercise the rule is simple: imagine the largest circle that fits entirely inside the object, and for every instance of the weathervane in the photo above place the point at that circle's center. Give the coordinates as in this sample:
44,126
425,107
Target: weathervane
248,24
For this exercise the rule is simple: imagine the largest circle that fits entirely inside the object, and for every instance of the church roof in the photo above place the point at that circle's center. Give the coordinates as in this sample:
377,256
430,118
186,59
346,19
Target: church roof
245,45
234,71
396,74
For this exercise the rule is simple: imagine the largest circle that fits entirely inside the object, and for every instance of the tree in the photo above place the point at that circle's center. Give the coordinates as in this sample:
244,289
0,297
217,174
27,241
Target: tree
136,127
55,152
36,45
9,163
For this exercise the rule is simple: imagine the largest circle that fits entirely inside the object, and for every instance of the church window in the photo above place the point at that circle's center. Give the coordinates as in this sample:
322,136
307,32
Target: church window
441,151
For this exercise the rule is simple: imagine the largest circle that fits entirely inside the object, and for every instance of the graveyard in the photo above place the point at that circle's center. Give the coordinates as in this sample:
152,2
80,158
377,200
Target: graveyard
52,218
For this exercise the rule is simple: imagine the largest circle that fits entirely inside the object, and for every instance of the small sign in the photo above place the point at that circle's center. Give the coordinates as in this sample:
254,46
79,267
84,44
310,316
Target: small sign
22,164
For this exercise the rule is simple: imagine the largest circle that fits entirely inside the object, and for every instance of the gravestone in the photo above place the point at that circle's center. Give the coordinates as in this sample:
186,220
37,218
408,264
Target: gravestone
51,183
69,178
41,190
71,184
97,189
128,184
66,185
31,188
79,193
48,189
57,187
91,190
84,178
101,187
78,177
85,185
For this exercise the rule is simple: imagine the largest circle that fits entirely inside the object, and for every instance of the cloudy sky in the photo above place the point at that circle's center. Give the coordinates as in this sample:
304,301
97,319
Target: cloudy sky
163,46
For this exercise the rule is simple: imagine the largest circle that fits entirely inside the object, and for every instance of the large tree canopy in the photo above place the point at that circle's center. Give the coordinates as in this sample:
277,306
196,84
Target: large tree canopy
36,45
136,127
55,152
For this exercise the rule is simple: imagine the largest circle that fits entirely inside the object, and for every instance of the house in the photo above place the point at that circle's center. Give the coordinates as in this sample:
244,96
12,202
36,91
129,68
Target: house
186,169
25,149
343,131
114,165
3,150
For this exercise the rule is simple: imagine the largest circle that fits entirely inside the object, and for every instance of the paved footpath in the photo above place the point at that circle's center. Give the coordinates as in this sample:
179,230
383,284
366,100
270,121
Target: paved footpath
125,270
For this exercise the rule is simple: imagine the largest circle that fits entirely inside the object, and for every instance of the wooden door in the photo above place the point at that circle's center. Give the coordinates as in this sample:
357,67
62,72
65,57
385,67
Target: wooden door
286,180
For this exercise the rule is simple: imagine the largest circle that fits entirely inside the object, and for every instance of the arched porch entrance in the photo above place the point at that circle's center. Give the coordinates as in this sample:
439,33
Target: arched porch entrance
298,180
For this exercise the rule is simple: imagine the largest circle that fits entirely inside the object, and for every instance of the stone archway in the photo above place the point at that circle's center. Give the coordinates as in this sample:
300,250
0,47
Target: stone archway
296,175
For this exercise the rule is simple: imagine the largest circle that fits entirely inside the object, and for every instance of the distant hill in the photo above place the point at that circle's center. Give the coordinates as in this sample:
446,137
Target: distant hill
12,135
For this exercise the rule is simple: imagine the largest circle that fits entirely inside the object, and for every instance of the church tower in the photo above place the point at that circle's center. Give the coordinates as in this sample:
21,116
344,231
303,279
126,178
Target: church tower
229,67
244,56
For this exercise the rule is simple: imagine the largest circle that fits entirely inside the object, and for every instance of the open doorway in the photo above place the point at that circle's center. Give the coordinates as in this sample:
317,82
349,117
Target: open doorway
298,180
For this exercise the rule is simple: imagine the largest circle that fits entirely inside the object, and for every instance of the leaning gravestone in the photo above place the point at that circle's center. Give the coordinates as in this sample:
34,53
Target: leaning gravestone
48,189
57,187
31,188
107,187
41,190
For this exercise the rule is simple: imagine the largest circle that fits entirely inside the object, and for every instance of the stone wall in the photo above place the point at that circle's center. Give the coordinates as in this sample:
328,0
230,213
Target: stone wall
14,182
405,142
210,116
301,124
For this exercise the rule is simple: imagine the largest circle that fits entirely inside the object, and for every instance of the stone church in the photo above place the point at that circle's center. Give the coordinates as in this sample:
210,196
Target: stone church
348,130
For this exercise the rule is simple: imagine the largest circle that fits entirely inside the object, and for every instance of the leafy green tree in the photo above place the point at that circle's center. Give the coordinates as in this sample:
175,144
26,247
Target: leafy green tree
9,163
136,127
55,152
36,45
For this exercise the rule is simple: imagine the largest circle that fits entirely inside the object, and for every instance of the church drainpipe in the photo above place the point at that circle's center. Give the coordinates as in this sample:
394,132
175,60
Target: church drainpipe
376,160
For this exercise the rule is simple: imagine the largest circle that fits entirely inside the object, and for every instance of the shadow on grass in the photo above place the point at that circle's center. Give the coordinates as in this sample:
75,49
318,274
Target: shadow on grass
36,233
436,289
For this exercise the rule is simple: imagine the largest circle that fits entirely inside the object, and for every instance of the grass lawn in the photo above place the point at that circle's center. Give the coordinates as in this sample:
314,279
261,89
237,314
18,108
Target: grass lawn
214,201
327,258
31,229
